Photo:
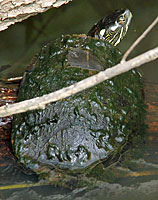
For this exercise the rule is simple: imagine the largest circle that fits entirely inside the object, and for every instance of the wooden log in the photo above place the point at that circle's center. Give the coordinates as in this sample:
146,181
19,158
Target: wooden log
151,99
12,11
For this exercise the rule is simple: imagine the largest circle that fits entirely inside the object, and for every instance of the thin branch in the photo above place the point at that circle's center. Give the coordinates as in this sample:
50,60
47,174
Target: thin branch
40,102
139,40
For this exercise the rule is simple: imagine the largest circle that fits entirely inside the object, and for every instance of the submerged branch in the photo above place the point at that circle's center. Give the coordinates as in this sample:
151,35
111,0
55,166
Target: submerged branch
40,102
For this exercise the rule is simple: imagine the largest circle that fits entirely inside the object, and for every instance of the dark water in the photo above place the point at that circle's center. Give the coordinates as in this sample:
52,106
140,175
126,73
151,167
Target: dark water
18,45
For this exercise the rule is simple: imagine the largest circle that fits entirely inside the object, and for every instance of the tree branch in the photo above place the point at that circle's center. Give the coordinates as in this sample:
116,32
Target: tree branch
12,11
40,102
139,40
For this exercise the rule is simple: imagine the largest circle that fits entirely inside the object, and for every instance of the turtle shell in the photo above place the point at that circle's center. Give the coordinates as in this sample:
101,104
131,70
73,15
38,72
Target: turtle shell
93,125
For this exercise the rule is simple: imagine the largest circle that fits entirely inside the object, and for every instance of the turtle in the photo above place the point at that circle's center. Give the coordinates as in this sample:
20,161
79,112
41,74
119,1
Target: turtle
94,125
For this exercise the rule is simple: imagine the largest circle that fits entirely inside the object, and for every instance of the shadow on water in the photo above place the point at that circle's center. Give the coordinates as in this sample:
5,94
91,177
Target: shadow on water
15,55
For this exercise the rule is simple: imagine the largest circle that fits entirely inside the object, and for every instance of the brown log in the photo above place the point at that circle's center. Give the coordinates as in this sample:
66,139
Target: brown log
151,99
12,11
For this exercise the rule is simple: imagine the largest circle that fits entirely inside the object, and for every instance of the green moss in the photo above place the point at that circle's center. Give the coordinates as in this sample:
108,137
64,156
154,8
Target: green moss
96,124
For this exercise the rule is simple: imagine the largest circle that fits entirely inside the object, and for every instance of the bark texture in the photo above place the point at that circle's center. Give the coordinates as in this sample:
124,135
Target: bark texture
12,11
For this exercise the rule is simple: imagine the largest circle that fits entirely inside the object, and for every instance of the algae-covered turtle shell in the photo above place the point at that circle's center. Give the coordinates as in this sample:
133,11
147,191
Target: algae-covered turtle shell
87,127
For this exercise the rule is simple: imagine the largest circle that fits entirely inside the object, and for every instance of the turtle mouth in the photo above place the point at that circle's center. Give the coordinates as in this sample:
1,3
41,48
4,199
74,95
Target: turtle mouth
128,15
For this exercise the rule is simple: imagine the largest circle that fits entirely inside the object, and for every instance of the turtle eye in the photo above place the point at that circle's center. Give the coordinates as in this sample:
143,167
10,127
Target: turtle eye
121,20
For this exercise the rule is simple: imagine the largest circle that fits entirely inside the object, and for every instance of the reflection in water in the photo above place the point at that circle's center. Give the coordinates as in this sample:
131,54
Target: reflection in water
144,191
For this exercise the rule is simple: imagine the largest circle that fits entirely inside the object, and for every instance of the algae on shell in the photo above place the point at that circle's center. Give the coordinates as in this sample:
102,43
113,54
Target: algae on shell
93,125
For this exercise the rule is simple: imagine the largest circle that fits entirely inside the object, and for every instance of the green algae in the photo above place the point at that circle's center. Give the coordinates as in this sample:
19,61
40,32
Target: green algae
95,125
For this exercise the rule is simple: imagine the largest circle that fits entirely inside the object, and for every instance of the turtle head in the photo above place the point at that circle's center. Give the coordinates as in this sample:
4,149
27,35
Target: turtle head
113,27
